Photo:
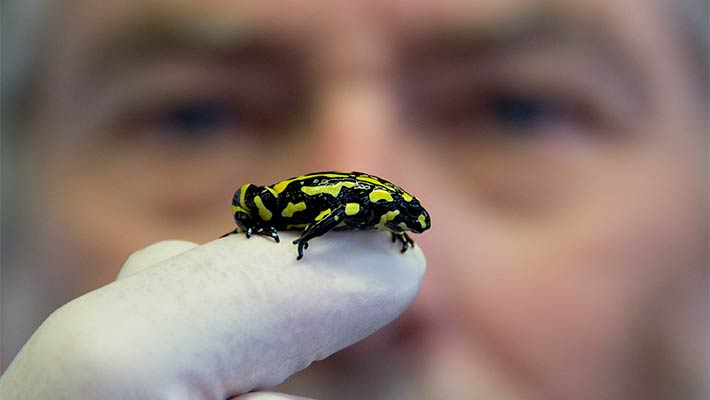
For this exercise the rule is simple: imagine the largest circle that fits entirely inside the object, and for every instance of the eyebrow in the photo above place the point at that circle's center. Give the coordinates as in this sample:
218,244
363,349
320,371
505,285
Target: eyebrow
536,25
546,27
156,36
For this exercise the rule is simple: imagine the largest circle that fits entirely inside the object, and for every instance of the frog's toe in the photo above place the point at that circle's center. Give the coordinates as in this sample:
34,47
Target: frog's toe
275,235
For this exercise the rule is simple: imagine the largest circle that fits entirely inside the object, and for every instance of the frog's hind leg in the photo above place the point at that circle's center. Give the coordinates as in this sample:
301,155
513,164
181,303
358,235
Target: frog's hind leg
229,233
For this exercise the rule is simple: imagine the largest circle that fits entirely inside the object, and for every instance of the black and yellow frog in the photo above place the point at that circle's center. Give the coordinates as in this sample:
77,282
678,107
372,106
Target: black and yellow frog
323,201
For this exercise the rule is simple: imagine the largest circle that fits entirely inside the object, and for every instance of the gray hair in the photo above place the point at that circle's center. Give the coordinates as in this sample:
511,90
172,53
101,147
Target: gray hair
23,28
692,21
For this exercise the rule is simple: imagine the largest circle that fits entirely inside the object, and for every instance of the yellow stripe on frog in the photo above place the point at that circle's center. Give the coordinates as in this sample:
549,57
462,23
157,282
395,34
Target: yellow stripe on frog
264,212
293,208
281,186
385,218
322,214
352,208
377,195
333,190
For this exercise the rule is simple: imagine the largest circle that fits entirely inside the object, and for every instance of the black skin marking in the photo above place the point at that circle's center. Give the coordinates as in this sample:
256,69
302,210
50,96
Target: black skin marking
400,214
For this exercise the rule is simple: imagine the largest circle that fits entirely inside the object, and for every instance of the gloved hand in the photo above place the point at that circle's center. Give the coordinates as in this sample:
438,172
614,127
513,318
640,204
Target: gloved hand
214,321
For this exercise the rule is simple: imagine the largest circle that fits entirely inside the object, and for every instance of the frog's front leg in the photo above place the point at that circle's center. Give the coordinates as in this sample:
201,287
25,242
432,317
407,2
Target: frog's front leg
402,236
318,228
267,231
245,223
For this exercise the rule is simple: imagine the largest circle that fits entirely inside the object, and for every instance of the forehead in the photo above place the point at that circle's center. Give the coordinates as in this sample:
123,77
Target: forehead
90,32
310,18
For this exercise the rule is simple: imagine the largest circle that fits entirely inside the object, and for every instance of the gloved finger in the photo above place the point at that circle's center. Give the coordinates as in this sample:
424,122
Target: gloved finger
154,254
229,317
267,396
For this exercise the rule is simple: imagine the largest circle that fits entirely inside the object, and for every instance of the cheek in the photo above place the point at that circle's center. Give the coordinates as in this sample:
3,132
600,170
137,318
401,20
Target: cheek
99,215
567,291
557,300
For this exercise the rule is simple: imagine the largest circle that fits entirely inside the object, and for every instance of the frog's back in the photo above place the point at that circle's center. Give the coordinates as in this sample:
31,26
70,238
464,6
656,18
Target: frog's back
303,199
334,180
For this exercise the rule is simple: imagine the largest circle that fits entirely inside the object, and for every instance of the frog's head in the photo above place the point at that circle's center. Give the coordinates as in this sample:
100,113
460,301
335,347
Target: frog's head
240,204
252,202
414,216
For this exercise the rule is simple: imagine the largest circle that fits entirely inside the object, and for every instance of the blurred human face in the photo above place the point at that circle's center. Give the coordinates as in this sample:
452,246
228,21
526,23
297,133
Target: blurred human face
557,146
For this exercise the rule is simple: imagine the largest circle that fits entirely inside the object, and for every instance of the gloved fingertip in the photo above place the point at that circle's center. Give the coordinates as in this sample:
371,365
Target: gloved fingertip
267,396
152,255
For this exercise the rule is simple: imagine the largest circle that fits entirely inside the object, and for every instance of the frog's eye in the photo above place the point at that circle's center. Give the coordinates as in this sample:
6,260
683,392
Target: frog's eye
419,222
237,196
424,220
241,218
241,194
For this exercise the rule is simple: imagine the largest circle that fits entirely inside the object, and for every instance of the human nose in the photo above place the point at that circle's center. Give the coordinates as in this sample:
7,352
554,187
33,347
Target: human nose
355,124
356,127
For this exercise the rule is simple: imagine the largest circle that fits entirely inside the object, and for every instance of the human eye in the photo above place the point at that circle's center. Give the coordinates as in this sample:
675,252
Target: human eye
517,97
206,116
202,108
522,112
534,113
194,119
507,111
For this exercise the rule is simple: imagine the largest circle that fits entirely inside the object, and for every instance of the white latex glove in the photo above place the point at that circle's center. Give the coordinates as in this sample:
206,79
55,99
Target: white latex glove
214,321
